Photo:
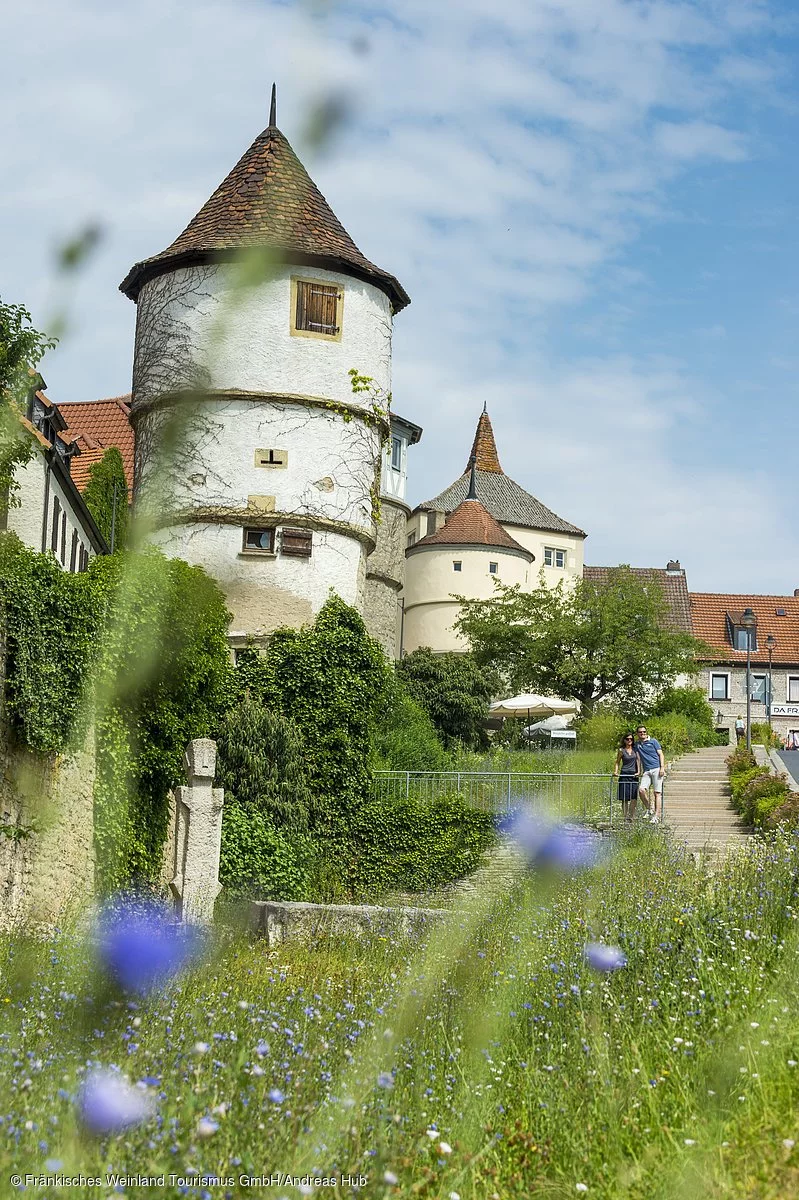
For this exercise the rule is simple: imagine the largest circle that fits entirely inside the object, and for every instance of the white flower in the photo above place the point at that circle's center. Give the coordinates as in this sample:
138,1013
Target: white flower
390,1178
454,1196
581,1187
754,1024
689,1141
788,1143
445,1147
201,1047
792,1062
432,1134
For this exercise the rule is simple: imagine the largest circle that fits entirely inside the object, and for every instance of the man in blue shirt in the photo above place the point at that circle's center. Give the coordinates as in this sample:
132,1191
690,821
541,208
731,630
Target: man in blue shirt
653,768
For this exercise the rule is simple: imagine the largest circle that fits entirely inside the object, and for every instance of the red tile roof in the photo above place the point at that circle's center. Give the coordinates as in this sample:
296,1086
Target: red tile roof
709,615
672,583
96,425
484,448
268,199
472,525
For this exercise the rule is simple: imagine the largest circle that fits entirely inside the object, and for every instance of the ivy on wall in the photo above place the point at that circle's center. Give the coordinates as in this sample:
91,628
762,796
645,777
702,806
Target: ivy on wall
106,496
135,647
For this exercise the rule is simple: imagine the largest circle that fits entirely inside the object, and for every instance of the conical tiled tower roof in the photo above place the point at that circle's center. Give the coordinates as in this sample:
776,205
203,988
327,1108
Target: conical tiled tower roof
268,199
504,499
484,448
471,525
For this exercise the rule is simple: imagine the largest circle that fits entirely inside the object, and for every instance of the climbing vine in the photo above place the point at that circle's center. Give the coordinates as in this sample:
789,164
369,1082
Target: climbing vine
134,648
106,497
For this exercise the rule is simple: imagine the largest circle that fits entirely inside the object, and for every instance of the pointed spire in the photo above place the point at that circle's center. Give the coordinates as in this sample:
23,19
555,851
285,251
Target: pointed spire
484,449
472,493
273,108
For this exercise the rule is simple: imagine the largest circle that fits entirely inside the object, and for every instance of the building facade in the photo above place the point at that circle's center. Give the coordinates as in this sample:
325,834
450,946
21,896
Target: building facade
526,538
254,455
49,513
717,621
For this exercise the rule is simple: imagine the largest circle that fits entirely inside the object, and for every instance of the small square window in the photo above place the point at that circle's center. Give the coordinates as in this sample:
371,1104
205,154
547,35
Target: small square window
262,541
456,566
396,454
492,568
719,687
553,557
317,308
296,542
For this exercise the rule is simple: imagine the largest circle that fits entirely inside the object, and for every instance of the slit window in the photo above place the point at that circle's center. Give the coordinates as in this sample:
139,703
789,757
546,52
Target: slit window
296,542
317,308
396,454
259,541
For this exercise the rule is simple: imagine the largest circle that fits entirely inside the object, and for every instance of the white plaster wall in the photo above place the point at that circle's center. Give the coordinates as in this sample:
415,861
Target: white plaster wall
430,581
26,520
265,592
190,332
330,465
535,540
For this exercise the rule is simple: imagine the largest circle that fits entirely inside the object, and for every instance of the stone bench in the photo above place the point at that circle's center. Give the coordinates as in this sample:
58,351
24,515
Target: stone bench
283,921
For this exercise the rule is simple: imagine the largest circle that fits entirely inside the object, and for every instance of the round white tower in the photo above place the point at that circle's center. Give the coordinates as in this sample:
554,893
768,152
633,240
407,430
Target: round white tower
254,458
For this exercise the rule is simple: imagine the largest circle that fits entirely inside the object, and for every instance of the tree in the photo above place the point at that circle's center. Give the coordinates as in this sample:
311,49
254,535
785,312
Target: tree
110,514
586,641
453,689
261,764
21,349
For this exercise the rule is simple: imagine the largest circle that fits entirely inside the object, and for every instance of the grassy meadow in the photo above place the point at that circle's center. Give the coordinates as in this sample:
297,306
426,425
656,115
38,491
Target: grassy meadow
490,1061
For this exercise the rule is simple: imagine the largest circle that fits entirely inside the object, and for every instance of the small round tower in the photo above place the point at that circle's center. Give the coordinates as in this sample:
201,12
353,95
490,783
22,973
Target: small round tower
254,457
462,558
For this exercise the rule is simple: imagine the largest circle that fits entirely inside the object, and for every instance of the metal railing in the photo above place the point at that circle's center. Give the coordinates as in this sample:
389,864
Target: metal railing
565,796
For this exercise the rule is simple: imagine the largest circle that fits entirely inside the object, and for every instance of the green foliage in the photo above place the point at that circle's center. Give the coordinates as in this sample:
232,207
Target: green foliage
405,738
741,779
164,678
762,735
259,861
756,793
691,702
332,680
21,349
740,759
602,730
261,764
105,476
138,644
586,641
51,621
454,690
415,845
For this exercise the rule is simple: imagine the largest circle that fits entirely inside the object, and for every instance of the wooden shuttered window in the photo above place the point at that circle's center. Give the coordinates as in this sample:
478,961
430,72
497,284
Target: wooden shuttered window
296,542
317,308
54,529
73,554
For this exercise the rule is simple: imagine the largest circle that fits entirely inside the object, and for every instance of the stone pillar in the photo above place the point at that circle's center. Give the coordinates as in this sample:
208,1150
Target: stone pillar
198,835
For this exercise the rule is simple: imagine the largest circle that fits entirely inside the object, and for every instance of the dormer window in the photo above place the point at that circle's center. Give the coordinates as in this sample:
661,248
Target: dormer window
739,634
316,309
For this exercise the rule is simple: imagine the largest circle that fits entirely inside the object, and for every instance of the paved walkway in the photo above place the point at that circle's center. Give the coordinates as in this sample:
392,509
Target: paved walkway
698,807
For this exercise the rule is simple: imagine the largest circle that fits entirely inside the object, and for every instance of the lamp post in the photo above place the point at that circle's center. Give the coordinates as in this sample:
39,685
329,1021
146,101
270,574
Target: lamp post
748,621
771,642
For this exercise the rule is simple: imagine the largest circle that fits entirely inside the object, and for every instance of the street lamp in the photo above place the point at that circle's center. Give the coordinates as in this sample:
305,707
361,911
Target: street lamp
771,642
748,621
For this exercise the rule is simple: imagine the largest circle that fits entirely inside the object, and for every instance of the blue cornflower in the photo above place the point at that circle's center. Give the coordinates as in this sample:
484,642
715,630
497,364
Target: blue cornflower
107,1103
604,958
142,946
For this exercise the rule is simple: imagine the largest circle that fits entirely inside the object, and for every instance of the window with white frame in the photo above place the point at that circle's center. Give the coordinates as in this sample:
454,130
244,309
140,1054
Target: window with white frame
793,689
553,557
493,568
759,688
719,687
396,453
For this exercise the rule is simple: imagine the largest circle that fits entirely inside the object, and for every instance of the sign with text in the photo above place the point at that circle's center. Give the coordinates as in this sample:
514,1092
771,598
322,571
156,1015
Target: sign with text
785,710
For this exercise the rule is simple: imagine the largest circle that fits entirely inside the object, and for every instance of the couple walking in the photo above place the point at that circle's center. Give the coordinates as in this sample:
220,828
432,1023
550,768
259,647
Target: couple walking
640,767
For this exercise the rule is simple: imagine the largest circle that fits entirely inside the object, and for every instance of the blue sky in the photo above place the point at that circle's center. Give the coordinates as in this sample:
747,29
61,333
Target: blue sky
592,204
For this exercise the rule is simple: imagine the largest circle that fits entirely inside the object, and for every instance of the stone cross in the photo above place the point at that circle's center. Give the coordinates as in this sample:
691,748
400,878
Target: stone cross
198,835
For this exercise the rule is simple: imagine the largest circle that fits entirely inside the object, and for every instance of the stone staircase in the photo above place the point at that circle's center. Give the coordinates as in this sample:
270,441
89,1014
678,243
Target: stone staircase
698,808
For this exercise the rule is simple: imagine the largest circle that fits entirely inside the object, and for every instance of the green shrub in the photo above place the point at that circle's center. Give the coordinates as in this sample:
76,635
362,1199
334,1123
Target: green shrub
260,861
787,813
405,738
690,702
741,779
673,732
414,845
603,730
764,736
261,764
761,796
453,690
740,759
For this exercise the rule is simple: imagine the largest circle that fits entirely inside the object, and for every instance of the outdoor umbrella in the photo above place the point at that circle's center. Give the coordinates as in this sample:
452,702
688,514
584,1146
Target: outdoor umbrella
530,705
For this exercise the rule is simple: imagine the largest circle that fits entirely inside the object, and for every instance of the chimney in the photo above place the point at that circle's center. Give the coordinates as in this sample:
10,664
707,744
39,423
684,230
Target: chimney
435,519
796,593
673,567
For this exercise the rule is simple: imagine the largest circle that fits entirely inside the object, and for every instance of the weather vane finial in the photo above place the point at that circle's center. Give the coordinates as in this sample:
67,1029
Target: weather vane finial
485,406
273,107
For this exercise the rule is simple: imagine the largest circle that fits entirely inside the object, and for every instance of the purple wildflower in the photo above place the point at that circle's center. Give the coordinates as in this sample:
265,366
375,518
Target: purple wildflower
276,1096
566,847
604,958
206,1127
108,1103
142,946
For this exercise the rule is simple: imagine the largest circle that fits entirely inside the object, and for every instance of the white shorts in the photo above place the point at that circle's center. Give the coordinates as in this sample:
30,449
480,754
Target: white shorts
652,779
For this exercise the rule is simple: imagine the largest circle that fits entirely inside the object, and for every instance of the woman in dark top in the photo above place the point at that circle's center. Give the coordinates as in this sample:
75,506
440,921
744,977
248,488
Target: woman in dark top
628,771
